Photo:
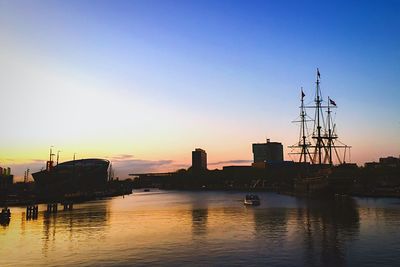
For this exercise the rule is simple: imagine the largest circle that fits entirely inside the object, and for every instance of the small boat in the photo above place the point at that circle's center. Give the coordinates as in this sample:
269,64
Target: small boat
252,200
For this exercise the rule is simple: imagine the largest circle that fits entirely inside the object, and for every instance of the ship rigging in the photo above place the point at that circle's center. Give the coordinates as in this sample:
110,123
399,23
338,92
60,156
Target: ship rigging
322,146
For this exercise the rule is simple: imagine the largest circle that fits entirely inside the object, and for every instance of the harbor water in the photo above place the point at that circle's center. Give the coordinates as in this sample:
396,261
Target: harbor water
170,228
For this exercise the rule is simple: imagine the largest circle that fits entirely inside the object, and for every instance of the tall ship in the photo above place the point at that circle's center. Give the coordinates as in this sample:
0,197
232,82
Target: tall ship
319,150
83,175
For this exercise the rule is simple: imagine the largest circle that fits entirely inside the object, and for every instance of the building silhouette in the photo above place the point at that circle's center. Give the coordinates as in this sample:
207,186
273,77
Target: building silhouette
199,160
390,161
269,152
6,178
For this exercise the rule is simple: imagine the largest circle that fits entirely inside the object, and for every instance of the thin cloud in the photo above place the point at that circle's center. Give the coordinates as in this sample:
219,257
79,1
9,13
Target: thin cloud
237,161
121,157
37,161
123,167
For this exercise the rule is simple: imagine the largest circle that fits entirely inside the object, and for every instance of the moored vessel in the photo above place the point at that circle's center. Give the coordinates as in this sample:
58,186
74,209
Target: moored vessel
318,150
251,200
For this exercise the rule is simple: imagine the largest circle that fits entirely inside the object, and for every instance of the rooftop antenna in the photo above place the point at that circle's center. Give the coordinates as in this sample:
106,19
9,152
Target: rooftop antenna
26,175
51,153
49,164
58,155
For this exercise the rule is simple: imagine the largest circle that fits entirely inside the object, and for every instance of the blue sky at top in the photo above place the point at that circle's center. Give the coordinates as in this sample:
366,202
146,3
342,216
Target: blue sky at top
231,67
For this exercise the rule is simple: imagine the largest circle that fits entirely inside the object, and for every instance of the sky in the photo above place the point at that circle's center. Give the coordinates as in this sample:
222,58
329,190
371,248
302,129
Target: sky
143,83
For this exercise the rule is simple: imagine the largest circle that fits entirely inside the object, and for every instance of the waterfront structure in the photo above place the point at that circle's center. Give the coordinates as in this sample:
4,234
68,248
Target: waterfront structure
269,152
384,162
199,160
390,161
73,176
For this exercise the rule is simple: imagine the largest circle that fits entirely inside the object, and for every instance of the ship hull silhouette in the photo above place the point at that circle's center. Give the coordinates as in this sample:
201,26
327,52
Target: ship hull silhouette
319,150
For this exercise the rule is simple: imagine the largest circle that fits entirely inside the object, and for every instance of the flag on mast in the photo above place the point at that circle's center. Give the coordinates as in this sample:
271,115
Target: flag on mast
332,102
318,74
302,94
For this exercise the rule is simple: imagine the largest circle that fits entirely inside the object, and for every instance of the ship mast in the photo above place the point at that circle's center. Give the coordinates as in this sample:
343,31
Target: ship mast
330,138
318,116
324,134
303,143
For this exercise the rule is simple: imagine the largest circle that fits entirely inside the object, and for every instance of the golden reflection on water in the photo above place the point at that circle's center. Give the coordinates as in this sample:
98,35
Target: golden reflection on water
195,227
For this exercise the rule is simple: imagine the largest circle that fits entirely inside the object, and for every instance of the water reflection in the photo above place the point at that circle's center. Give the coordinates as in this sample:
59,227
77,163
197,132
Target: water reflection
271,223
206,228
199,221
4,222
199,211
321,228
89,218
327,227
85,221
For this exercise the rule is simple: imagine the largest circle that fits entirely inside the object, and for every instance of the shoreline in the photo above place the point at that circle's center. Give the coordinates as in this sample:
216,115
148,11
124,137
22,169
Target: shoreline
91,196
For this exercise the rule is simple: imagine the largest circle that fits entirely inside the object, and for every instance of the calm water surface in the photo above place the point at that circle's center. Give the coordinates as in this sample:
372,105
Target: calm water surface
207,228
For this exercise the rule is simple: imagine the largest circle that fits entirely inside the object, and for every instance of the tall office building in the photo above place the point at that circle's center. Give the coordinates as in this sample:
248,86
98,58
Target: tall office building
269,152
199,160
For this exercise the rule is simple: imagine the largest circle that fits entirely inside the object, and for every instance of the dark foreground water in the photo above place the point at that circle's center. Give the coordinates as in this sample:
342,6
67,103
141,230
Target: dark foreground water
207,228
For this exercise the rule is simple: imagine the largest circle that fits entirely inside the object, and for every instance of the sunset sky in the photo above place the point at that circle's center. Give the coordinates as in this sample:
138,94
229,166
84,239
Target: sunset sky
143,83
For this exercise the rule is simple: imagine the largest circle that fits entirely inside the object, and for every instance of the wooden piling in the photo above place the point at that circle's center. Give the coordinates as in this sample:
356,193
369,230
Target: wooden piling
52,207
68,205
32,212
